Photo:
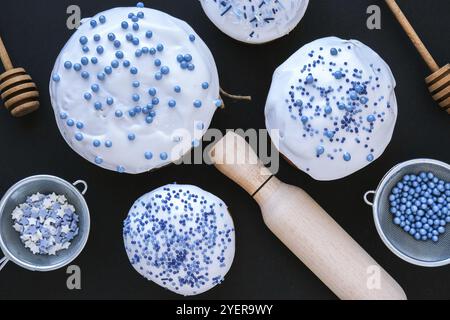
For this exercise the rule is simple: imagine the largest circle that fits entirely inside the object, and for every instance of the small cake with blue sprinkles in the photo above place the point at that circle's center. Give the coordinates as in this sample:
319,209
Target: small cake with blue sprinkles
332,109
134,89
180,237
255,21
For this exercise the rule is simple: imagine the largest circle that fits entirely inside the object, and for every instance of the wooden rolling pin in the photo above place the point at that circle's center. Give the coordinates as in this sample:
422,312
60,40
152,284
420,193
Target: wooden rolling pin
439,81
305,228
18,91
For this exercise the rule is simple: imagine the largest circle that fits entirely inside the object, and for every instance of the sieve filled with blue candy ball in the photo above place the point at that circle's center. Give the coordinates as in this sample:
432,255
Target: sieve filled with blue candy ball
15,224
411,209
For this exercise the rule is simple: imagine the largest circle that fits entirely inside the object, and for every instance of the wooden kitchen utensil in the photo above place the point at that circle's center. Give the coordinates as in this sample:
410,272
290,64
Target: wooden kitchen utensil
18,91
305,228
439,81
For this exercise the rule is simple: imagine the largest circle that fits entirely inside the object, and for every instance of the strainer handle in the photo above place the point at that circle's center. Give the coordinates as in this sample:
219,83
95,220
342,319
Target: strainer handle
3,262
84,184
366,197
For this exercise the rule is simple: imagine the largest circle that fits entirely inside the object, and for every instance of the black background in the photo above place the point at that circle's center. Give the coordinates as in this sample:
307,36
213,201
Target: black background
35,31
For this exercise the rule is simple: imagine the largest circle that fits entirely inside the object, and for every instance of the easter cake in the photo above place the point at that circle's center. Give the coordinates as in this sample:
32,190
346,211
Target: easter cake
255,21
332,109
134,89
180,237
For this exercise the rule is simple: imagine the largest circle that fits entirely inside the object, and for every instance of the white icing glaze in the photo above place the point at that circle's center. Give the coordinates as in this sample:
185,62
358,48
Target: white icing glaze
173,130
255,21
322,130
181,238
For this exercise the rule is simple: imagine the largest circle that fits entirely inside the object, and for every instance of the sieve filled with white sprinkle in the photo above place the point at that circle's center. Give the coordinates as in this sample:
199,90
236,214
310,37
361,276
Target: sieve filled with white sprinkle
44,223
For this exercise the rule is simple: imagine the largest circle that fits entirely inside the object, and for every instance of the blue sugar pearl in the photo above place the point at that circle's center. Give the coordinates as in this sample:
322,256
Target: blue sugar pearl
163,156
102,19
80,125
129,37
152,92
152,51
67,64
158,76
157,62
172,103
190,66
93,23
152,114
218,103
135,41
63,115
320,150
145,50
118,114
304,119
155,101
136,84
371,118
165,70
117,44
137,109
98,105
119,54
94,60
95,87
140,15
98,160
333,51
353,95
108,70
134,70
136,97
124,25
87,96
309,79
115,64
363,100
192,37
183,65
56,78
160,47
197,103
149,119
83,40
79,136
85,74
111,36
96,143
126,63
101,76
85,49
148,155
108,143
132,113
338,75
109,101
97,37
120,169
148,34
177,89
205,85
70,123
131,136
140,5
135,18
328,110
347,156
359,88
370,157
180,58
135,26
100,50
138,53
187,57
84,61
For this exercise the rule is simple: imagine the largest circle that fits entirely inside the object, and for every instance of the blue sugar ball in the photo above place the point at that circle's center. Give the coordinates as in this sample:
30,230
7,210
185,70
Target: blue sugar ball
371,118
136,97
94,60
180,58
126,63
140,15
118,114
136,84
304,119
98,160
85,49
100,50
80,125
102,19
148,155
218,103
129,37
192,37
140,5
160,47
109,101
333,51
187,57
101,76
98,105
165,70
63,115
155,101
149,119
370,157
152,51
309,79
145,50
135,18
111,36
84,61
172,103
115,64
79,136
135,41
135,26
134,70
177,89
93,23
197,103
347,156
95,87
56,78
158,76
148,34
132,113
131,136
87,96
157,62
163,156
70,123
97,37
96,143
117,44
124,25
67,64
328,109
205,85
152,92
190,66
85,74
83,40
108,70
108,144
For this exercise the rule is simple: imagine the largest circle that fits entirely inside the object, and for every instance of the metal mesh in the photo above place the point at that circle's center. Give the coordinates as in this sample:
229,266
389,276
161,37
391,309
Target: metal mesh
424,252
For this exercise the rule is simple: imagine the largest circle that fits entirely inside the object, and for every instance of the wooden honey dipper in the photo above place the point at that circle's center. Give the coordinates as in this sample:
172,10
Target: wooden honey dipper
18,91
439,81
304,227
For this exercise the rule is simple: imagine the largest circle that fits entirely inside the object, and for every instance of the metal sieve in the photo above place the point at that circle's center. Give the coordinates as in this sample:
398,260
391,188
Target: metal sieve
422,253
10,244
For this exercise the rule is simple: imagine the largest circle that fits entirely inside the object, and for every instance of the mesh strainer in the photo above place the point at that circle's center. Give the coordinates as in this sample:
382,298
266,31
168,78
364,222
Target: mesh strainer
422,253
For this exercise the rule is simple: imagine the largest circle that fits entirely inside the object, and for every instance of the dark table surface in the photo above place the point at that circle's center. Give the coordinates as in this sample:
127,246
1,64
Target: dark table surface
35,32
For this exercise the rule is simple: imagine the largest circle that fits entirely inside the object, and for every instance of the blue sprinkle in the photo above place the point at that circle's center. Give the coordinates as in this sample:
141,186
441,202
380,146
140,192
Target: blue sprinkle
347,156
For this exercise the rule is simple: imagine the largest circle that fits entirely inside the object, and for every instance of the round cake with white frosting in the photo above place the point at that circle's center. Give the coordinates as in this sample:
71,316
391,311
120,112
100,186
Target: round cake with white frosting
255,21
180,237
332,108
134,89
